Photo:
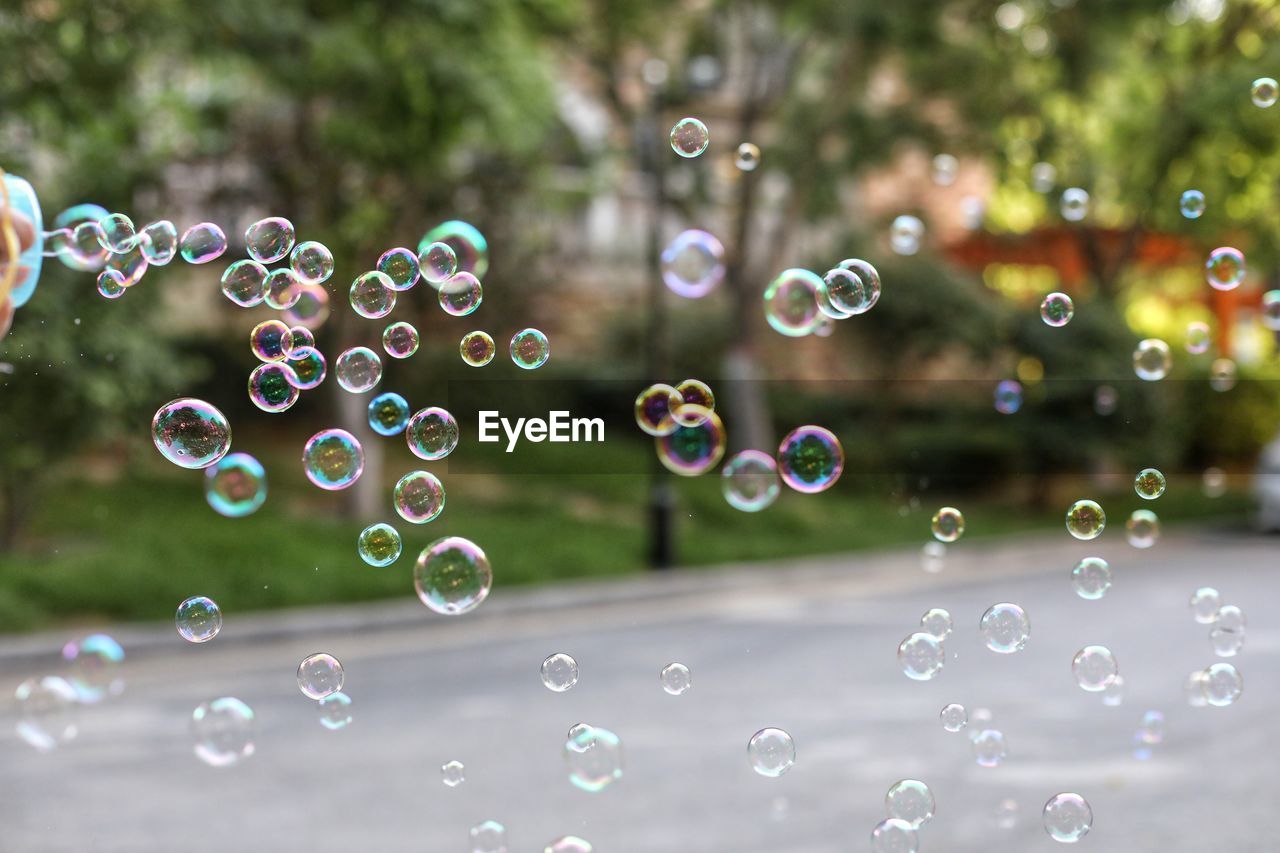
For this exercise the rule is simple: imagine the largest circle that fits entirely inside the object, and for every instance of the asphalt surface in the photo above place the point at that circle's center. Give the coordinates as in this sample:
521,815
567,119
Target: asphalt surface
808,647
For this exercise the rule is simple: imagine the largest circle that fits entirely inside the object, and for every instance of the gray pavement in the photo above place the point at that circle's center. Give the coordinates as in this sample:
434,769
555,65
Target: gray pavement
808,647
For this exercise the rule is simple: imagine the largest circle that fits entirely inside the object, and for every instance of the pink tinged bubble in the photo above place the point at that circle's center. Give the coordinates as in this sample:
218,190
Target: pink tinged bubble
400,340
310,309
333,459
419,497
309,367
273,387
268,240
401,268
461,294
191,433
202,243
372,296
245,283
810,459
432,433
693,264
1225,268
690,451
452,576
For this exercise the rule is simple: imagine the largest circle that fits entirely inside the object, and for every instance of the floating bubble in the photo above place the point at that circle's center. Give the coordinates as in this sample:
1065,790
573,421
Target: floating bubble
945,167
689,137
388,413
1150,732
371,295
921,656
453,773
1086,520
1225,268
810,459
116,233
301,336
319,675
245,283
223,731
461,294
905,235
937,623
910,800
400,266
569,844
559,672
311,308
989,748
198,620
1198,338
1222,684
693,264
1008,396
1226,642
749,480
159,242
747,157
1264,92
894,835
358,369
271,340
282,289
1074,204
529,349
273,387
594,757
1067,817
131,264
791,302
1191,204
437,263
1005,815
85,251
1142,529
1222,374
1091,578
268,240
696,401
843,296
477,349
1057,309
400,340
202,243
692,451
676,678
1005,628
191,433
1113,693
489,837
432,433
235,485
1204,603
1214,482
654,409
870,279
469,247
309,367
94,663
954,717
335,711
452,575
771,752
48,712
418,497
947,524
111,284
933,557
1152,360
1149,484
1094,668
1230,617
333,459
1271,310
311,262
379,545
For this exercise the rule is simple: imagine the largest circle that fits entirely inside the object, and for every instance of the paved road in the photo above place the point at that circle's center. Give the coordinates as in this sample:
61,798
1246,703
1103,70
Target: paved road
808,647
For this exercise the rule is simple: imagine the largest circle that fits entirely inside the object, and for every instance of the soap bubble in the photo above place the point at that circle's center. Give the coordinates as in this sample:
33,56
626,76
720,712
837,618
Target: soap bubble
309,367
791,302
692,451
1222,374
697,402
111,284
333,459
1005,628
1008,396
371,295
937,623
489,837
676,678
223,731
1094,668
1264,92
921,656
905,234
1198,338
771,752
693,264
159,242
245,283
1142,529
271,340
282,289
654,409
273,387
452,575
48,712
419,497
870,279
689,137
335,711
319,675
529,349
894,835
954,717
947,524
569,844
379,545
358,369
1067,817
594,757
400,266
844,294
989,748
1057,309
1086,520
302,336
131,264
198,620
269,240
388,413
311,262
94,667
945,167
202,243
477,349
1226,642
1091,578
1230,617
400,340
1149,484
116,233
1074,205
468,244
747,157
1192,204
438,263
1113,693
235,485
1150,732
910,800
311,308
749,481
461,294
191,433
1152,359
1225,268
1204,603
1222,684
810,459
432,433
1271,310
559,672
453,773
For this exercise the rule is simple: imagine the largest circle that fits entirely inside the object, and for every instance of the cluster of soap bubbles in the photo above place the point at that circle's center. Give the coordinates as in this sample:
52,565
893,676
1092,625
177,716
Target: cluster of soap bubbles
799,302
48,706
1226,621
922,654
909,805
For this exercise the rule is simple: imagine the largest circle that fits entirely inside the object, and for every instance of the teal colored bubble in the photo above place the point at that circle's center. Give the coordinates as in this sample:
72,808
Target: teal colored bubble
333,459
236,485
529,349
273,387
388,413
94,664
379,545
202,243
309,367
468,244
400,266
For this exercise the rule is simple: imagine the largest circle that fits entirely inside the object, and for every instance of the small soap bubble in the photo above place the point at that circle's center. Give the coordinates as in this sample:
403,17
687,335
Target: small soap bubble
437,263
452,576
1230,617
282,289
910,800
319,675
1222,684
693,451
1091,578
689,137
1113,693
894,835
400,340
1043,177
1198,338
333,459
1152,360
1225,268
245,283
1086,520
1264,92
1005,628
870,279
810,459
432,433
771,752
921,656
273,387
300,336
191,433
905,235
461,294
419,497
117,234
529,349
159,242
747,158
594,758
235,485
1151,730
1142,529
379,545
1191,204
199,619
1057,309
693,264
1094,668
954,717
131,264
1271,310
655,407
94,663
945,167
947,524
559,672
223,731
1204,603
791,302
111,284
1067,817
48,712
309,367
311,308
489,837
335,711
371,295
749,480
1005,814
676,678
202,243
1008,396
1222,374
311,262
843,296
469,246
358,369
1149,484
271,340
936,622
388,413
696,402
400,266
1226,642
453,774
477,349
1074,204
989,748
269,240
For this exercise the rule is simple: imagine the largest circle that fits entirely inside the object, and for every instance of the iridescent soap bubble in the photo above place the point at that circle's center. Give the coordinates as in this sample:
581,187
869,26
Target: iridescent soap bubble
1008,396
388,413
437,263
693,264
400,266
1225,268
747,157
910,800
1151,730
400,340
461,294
594,758
1264,92
202,243
333,459
244,282
468,244
1271,310
131,264
692,451
1222,374
655,407
870,279
236,485
559,672
432,433
223,731
529,349
1152,359
921,656
1204,604
989,747
379,545
117,234
271,340
1113,693
453,773
771,752
48,712
1074,205
749,480
954,717
85,252
371,295
947,524
268,240
111,284
452,575
1091,578
1142,529
311,308
1094,668
300,336
791,302
1149,484
273,387
319,675
569,844
477,349
191,433
905,234
282,289
335,711
1191,204
309,367
198,619
945,167
489,837
358,369
1230,617
894,835
1005,628
311,262
1067,817
1057,309
810,459
418,497
1222,684
844,294
159,242
936,622
675,678
1226,642
689,137
1198,338
1086,520
94,663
